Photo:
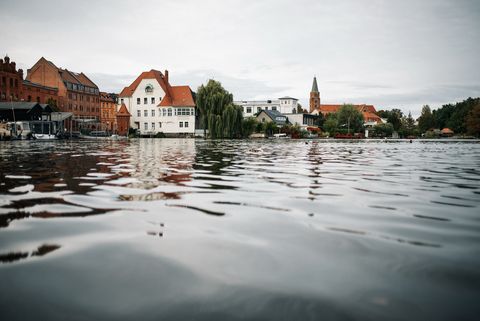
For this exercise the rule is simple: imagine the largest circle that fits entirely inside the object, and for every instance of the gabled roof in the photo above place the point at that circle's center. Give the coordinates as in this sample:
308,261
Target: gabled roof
28,106
275,116
123,111
180,96
152,74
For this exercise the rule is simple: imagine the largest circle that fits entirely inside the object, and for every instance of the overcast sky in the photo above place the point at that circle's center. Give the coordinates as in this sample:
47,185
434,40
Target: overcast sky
393,54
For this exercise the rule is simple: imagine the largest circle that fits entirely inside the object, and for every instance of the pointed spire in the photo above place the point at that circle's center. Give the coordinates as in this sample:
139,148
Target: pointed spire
315,86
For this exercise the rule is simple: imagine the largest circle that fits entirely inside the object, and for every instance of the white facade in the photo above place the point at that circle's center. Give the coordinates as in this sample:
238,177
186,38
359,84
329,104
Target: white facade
285,105
148,118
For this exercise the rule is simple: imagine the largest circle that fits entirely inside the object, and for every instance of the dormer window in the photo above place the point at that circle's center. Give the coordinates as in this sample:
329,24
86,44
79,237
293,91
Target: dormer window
149,89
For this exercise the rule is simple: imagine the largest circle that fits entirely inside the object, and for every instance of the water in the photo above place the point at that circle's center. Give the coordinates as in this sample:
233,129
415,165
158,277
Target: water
172,229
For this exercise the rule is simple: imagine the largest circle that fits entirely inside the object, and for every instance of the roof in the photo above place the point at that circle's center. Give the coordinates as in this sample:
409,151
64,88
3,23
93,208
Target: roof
288,97
315,86
18,105
70,76
179,96
368,111
123,111
106,97
446,131
275,116
152,74
29,83
59,116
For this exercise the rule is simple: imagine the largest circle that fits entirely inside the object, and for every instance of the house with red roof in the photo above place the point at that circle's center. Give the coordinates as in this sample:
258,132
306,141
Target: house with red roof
316,107
156,106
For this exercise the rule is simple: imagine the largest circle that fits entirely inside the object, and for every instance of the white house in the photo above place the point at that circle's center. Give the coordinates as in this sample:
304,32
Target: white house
285,105
156,106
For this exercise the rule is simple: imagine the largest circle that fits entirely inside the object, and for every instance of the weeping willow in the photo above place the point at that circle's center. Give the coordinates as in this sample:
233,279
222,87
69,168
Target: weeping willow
218,114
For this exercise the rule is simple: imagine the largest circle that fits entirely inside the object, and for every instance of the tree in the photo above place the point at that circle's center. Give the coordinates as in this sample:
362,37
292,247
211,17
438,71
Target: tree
248,126
473,121
53,104
350,118
270,128
408,126
218,114
330,124
383,130
426,120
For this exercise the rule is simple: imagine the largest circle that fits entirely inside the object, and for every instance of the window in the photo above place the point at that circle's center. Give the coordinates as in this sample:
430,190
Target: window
249,110
121,100
259,109
159,124
139,113
153,112
153,100
153,126
180,124
274,107
164,112
145,100
186,124
266,108
149,89
159,98
145,126
29,98
169,111
145,113
138,101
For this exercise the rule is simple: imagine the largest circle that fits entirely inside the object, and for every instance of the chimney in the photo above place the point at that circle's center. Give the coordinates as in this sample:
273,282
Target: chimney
166,75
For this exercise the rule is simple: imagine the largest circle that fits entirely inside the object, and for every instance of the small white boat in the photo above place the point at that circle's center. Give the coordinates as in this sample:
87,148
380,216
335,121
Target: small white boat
44,136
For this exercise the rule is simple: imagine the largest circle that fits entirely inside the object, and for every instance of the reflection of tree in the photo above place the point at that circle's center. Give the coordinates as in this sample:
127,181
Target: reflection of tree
213,156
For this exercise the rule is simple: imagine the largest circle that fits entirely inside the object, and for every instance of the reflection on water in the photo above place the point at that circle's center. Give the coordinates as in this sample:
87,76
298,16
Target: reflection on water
177,229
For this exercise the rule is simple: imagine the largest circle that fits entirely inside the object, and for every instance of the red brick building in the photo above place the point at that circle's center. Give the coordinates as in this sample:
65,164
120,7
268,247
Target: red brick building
368,111
76,92
108,111
123,120
11,86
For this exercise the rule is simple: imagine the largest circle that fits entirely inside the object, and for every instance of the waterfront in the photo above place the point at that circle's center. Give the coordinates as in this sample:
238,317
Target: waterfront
180,229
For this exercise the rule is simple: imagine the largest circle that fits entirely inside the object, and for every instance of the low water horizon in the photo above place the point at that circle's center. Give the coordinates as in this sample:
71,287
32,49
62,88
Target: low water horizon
193,229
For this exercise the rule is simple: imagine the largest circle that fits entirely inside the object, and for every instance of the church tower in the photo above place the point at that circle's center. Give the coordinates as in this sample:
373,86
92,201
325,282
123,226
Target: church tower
314,96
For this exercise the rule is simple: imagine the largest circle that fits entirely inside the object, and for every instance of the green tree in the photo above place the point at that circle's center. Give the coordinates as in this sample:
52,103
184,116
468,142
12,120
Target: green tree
350,118
218,114
248,126
270,128
330,124
426,120
383,130
408,126
473,121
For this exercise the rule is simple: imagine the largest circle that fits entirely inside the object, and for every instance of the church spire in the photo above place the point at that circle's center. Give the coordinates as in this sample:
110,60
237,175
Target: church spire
314,86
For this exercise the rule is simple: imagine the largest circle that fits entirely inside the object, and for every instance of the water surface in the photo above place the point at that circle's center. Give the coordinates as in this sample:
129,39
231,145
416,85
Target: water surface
183,229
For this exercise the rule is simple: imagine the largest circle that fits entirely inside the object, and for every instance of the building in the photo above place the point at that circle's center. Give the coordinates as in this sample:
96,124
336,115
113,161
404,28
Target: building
76,92
23,111
108,109
368,111
303,120
285,105
275,116
122,121
156,106
39,93
11,81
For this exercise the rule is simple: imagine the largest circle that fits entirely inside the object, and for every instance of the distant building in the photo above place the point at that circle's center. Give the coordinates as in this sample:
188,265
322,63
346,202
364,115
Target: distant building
275,116
303,120
122,121
156,106
11,81
108,109
76,92
285,105
368,111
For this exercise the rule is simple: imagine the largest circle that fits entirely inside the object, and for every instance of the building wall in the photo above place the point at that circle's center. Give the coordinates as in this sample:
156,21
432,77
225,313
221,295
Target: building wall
250,108
108,112
11,81
39,94
148,118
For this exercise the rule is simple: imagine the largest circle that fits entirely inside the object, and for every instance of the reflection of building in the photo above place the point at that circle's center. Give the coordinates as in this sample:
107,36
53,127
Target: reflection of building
76,92
285,105
368,111
107,111
156,106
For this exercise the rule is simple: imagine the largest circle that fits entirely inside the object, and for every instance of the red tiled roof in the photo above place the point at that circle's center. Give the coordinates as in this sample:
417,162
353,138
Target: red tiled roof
179,96
368,111
123,111
152,74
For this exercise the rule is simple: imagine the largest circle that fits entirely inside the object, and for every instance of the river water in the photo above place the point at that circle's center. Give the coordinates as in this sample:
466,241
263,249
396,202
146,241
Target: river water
183,229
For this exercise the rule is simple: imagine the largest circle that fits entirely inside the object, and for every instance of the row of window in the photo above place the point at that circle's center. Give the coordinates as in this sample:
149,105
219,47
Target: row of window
13,82
145,100
180,124
74,96
248,110
83,88
168,112
74,107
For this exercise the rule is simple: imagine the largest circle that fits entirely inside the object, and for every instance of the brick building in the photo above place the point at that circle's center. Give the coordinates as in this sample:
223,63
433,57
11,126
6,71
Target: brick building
108,111
11,86
76,92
